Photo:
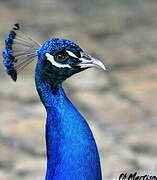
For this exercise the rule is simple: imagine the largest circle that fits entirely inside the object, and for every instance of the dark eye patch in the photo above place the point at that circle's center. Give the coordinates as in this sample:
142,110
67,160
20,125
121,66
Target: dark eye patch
76,53
61,56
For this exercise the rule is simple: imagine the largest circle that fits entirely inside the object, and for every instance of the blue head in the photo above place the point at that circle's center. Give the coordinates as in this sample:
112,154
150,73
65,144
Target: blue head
58,59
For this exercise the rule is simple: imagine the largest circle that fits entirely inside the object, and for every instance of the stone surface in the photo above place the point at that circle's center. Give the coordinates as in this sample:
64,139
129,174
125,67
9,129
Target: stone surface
120,104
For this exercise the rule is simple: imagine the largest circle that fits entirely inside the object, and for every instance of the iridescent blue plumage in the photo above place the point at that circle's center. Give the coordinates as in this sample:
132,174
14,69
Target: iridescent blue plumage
19,51
71,149
54,45
8,57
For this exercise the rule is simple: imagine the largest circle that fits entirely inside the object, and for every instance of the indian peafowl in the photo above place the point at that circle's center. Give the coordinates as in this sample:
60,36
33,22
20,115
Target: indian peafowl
71,149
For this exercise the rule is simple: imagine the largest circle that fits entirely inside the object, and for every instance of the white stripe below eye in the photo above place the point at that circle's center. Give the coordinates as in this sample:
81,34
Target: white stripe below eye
71,54
59,65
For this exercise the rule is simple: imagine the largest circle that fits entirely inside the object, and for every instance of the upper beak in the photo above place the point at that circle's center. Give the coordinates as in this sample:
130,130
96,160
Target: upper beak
88,61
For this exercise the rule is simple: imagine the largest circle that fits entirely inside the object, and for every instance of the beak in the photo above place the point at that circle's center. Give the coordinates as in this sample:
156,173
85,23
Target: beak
87,61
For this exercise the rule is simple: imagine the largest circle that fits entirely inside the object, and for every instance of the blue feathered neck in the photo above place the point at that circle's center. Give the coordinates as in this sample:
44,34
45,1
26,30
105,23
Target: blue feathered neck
71,149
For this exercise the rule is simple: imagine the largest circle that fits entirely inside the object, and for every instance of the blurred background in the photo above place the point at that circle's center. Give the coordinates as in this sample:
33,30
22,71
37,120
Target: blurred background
120,104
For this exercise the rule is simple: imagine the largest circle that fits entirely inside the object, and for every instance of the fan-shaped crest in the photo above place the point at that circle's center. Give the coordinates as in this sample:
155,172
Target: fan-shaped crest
20,50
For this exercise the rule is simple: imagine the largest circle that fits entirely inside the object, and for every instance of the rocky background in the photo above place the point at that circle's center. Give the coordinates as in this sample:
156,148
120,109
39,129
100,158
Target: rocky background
120,104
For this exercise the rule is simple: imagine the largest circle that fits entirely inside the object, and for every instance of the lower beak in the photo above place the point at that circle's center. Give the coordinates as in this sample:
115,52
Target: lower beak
87,61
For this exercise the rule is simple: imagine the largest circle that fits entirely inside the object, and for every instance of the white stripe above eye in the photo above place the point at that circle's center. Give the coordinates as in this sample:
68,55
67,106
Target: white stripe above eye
71,54
59,65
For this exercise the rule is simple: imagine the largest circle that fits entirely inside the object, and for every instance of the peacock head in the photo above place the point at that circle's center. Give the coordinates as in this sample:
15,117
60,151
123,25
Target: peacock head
59,59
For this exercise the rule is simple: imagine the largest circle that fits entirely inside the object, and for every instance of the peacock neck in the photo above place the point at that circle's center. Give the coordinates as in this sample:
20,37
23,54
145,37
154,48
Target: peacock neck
71,148
49,94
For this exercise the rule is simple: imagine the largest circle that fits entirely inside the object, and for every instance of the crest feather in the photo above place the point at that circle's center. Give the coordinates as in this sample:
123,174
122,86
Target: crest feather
20,50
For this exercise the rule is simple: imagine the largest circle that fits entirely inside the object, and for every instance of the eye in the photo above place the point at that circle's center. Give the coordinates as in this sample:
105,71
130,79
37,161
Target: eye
61,56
